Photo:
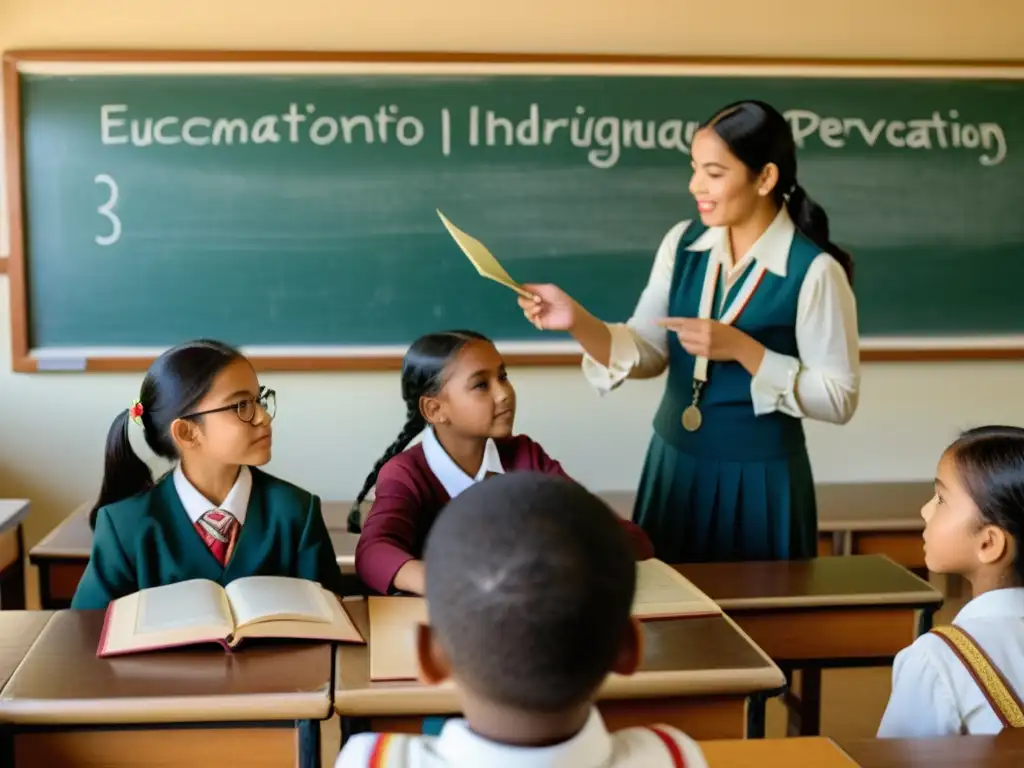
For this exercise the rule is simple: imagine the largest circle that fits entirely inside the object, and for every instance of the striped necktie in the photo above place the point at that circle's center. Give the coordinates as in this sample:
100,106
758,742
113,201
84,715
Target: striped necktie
219,530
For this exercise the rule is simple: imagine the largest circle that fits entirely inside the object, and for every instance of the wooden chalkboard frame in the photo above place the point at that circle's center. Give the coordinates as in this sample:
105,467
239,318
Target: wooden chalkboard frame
23,360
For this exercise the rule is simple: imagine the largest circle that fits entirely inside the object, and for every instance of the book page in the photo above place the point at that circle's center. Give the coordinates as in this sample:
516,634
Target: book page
393,622
662,592
256,599
193,611
185,605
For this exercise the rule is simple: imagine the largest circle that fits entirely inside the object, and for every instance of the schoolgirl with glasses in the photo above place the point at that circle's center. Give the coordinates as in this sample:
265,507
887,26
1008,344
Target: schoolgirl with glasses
216,515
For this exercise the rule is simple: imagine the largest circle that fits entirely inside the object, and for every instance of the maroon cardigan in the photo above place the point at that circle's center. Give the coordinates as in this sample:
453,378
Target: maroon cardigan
409,497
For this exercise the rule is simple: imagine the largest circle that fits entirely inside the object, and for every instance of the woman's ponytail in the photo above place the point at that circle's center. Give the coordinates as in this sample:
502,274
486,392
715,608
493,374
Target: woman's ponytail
124,473
811,219
414,424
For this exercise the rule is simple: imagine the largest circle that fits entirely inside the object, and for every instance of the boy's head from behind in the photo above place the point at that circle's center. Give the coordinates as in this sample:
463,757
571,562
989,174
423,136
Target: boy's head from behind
530,583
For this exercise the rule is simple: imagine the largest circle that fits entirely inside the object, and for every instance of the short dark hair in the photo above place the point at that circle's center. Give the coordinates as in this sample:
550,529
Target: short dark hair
990,464
174,384
530,582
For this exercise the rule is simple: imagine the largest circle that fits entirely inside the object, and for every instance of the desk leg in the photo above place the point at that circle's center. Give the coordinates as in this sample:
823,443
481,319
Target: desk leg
756,715
810,701
926,620
12,586
309,743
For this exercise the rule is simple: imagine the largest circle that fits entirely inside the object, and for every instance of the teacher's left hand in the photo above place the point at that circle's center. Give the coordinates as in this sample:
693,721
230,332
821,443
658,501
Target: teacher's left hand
707,338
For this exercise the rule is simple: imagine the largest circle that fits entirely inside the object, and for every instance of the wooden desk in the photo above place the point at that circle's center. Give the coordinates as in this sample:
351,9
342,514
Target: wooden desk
61,557
1003,751
12,553
876,518
854,518
18,630
776,753
825,612
699,674
261,705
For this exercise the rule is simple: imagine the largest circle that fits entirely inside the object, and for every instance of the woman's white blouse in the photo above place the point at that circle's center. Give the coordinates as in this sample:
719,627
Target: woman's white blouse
823,383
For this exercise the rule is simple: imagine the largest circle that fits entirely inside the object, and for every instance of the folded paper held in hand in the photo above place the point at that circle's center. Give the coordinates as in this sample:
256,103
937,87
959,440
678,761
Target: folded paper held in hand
201,611
482,259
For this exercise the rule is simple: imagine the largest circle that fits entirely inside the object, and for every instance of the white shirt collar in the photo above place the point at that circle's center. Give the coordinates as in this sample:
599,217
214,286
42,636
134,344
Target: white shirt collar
454,480
196,505
995,604
590,748
771,248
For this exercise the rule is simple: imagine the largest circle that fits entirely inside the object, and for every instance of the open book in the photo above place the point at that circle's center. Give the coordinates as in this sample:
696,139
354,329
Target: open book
200,611
662,592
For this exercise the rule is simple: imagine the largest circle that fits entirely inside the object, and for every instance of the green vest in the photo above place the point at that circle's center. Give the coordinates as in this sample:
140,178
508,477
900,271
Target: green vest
148,540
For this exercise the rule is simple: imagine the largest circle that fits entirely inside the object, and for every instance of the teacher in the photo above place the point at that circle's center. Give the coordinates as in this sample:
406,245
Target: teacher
752,312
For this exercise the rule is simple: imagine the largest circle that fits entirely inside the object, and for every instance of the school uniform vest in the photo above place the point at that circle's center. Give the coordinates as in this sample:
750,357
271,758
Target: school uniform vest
730,429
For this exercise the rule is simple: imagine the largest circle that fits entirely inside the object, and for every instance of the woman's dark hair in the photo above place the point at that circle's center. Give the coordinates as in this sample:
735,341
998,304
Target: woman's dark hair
758,134
990,464
174,384
423,375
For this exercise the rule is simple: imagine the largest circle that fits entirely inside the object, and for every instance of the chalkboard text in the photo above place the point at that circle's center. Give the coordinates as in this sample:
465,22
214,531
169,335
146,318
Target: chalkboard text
603,137
930,133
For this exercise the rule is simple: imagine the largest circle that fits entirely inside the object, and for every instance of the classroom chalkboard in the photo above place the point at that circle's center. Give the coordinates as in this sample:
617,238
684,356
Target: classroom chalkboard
290,206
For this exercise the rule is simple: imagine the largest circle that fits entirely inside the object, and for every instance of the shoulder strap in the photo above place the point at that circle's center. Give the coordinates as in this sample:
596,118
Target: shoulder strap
1001,697
674,751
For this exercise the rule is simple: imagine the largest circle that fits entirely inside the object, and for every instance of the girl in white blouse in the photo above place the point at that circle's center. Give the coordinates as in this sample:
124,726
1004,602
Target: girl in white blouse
974,527
752,312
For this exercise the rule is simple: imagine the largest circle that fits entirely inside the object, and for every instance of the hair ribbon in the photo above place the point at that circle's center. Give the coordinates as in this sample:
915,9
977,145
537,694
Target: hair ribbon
136,411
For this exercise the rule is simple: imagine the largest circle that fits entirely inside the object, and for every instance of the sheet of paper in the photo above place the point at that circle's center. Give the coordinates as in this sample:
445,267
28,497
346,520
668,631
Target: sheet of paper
393,622
483,259
662,591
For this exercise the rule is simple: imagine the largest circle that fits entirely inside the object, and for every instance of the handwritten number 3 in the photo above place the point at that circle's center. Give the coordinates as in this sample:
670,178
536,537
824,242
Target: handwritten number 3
107,209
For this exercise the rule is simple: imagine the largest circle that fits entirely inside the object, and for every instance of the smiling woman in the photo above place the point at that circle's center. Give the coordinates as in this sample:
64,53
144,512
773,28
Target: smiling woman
752,312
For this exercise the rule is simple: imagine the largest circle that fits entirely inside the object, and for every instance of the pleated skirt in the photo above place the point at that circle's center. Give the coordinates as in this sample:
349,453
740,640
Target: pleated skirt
706,510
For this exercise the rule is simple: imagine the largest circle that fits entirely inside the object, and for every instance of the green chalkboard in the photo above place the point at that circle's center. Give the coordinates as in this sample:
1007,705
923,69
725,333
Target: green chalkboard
295,209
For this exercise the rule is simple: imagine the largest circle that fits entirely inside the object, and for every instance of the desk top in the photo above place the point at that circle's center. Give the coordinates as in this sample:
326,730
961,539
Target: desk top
816,752
1003,751
822,582
18,630
12,512
683,657
841,507
62,682
872,506
72,539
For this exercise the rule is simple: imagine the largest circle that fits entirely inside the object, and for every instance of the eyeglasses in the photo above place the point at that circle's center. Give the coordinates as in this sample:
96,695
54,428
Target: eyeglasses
246,409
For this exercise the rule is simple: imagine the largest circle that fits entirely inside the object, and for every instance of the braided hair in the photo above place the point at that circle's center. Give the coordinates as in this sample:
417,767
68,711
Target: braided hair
423,375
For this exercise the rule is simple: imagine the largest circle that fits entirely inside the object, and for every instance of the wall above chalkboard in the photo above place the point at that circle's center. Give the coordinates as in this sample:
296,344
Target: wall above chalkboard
287,202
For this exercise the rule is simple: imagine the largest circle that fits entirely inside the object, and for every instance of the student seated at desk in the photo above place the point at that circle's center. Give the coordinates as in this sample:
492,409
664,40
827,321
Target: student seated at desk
215,516
969,678
530,584
455,387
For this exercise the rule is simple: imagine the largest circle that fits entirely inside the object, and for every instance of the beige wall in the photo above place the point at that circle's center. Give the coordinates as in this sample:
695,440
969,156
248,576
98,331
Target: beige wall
52,427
